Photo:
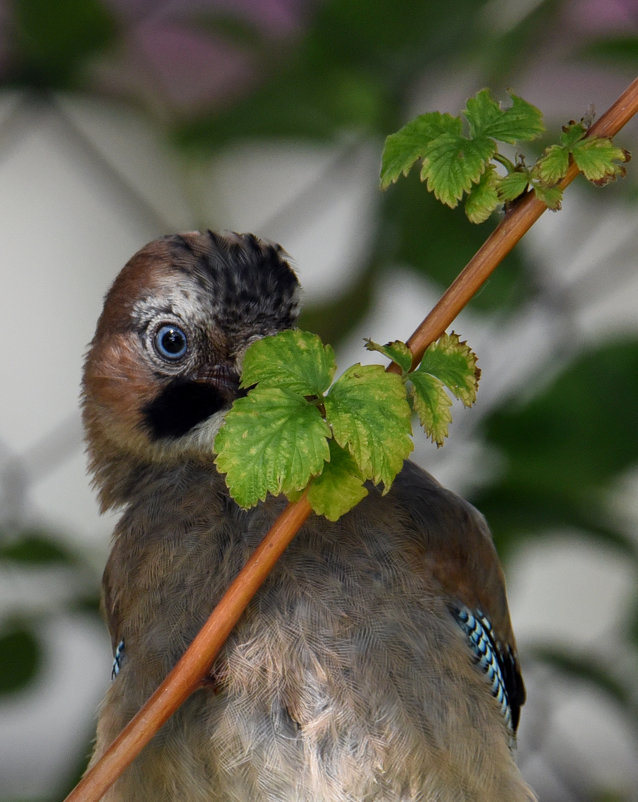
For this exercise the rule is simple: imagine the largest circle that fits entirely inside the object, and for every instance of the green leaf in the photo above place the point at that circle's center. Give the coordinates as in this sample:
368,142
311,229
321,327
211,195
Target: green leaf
370,416
552,165
339,487
596,158
481,111
431,404
292,360
453,362
520,122
450,363
453,163
396,351
512,185
410,143
572,133
551,196
483,197
272,441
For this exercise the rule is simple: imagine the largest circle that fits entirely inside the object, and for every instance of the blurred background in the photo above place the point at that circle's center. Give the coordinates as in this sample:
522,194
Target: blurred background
121,120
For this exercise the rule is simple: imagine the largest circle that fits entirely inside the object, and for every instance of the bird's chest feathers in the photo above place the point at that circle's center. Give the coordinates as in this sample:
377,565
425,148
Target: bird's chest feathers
175,551
176,554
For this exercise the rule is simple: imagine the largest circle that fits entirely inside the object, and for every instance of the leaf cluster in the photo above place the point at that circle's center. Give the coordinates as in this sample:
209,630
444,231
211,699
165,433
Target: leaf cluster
296,428
460,160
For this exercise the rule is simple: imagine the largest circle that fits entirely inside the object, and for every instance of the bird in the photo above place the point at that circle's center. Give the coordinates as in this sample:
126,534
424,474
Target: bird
376,662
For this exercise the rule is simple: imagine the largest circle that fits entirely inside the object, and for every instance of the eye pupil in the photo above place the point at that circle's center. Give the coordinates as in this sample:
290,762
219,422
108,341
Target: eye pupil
170,342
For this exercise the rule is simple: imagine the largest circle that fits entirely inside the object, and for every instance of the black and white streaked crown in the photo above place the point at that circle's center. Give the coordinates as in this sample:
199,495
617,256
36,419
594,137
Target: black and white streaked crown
247,281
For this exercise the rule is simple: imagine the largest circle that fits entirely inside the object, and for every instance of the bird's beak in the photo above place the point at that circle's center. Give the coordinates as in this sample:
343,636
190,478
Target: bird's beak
224,378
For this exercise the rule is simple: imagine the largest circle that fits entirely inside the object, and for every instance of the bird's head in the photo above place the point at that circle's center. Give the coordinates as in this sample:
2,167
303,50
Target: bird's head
165,362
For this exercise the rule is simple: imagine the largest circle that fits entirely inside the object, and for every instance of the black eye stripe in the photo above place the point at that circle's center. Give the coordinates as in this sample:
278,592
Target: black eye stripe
180,406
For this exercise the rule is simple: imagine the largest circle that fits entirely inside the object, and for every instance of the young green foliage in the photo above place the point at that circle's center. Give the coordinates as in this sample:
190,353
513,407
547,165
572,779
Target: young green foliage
447,363
452,361
339,487
370,417
293,429
598,159
294,360
273,441
484,197
432,406
454,161
459,157
397,351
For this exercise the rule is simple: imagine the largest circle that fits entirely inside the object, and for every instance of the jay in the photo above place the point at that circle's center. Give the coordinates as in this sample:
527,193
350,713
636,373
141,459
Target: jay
377,662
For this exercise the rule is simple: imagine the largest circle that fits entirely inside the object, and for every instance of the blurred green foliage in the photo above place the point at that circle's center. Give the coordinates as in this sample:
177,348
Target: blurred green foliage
564,447
350,70
354,66
619,49
52,42
22,656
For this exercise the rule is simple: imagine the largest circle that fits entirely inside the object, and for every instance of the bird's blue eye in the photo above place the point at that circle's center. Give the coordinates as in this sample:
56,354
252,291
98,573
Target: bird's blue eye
170,342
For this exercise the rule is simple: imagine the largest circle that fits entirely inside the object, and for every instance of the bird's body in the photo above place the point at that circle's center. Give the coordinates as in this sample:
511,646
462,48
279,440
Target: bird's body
351,675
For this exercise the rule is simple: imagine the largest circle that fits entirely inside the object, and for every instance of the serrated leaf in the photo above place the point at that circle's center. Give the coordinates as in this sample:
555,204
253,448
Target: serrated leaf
512,185
453,362
272,441
519,122
396,351
293,359
409,144
339,487
571,134
453,163
480,111
552,165
596,158
483,197
551,196
431,404
370,416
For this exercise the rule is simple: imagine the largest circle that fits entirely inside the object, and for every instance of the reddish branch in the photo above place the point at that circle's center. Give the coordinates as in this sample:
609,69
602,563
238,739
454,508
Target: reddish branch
187,675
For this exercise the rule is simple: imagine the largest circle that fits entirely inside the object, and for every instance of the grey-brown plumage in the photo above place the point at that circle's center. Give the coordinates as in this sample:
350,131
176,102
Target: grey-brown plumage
352,675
